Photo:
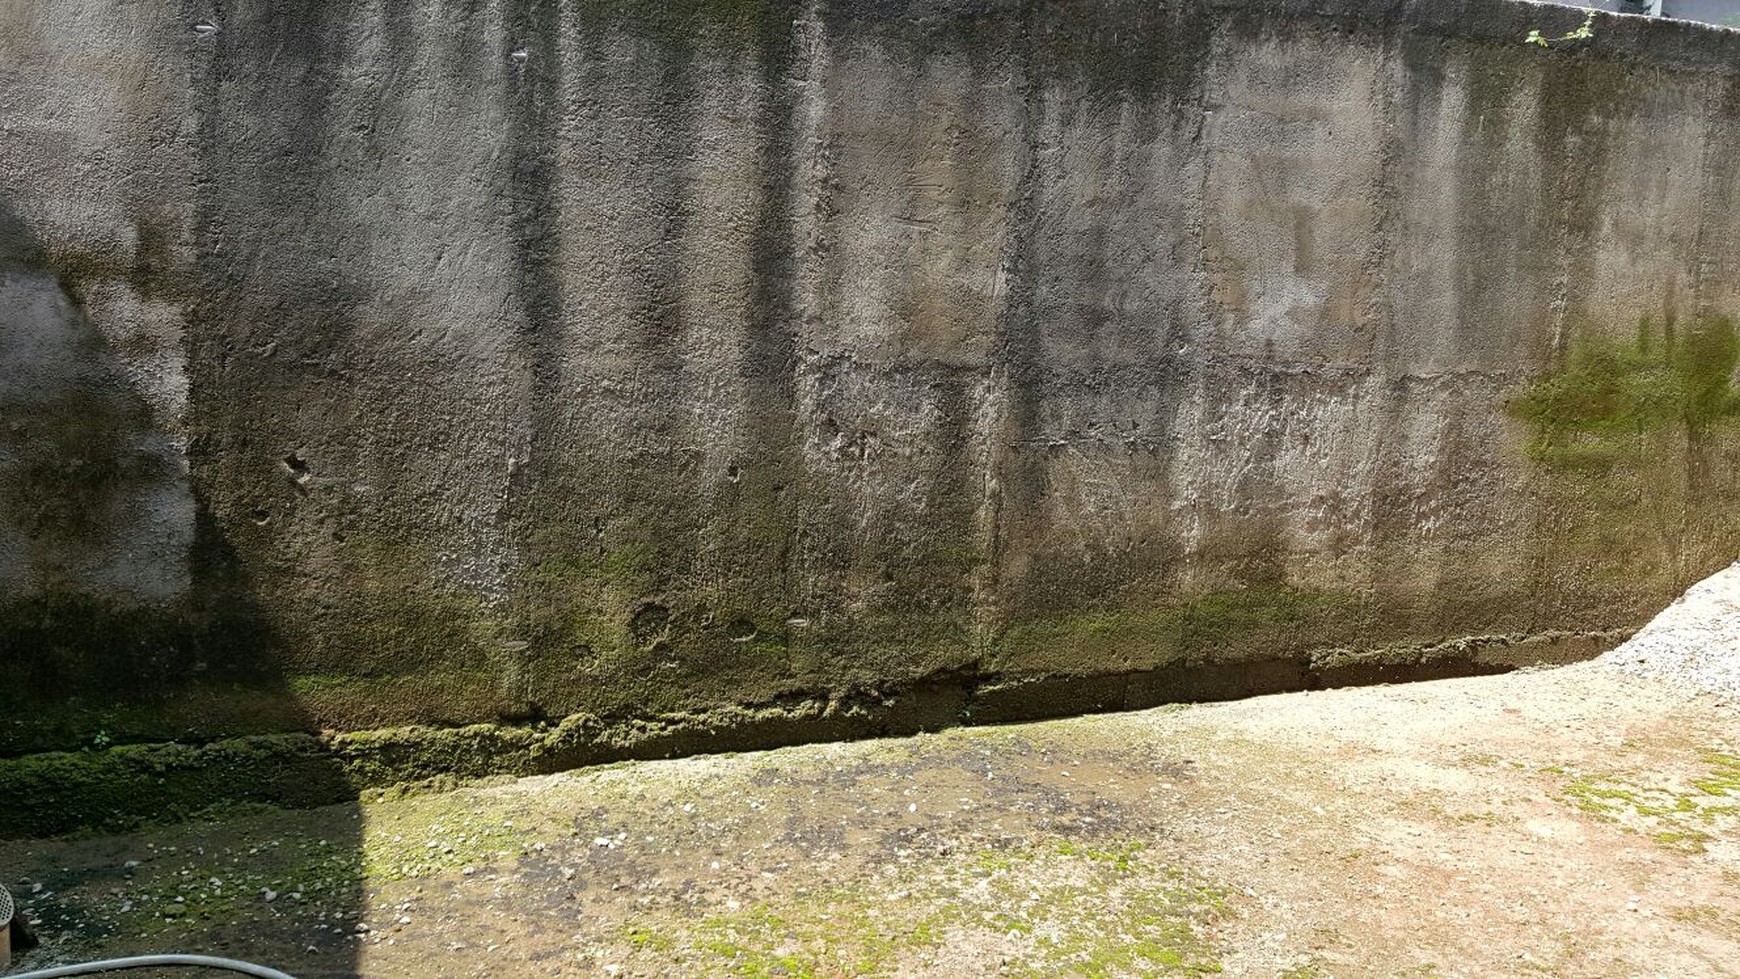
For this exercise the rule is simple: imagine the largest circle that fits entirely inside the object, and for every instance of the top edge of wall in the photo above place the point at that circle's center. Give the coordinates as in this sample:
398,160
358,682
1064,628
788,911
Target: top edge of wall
1661,41
1667,42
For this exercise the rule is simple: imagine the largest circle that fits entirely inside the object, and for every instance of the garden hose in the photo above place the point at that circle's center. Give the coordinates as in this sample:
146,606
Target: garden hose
148,961
10,921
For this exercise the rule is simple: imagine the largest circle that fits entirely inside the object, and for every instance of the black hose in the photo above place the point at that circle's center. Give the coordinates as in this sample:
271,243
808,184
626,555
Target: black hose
148,961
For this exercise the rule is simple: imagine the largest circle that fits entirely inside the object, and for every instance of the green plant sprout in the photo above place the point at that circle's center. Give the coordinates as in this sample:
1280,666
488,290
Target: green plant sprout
1584,32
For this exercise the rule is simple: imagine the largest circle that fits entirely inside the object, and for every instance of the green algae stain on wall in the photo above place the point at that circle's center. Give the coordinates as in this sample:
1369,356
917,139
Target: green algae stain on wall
1261,621
1635,445
1616,399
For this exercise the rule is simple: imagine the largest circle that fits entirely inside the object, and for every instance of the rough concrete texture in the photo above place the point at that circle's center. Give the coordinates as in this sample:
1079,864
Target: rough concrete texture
375,363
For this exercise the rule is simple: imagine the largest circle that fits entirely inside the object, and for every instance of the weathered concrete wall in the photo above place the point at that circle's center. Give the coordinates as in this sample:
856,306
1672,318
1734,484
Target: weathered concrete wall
378,362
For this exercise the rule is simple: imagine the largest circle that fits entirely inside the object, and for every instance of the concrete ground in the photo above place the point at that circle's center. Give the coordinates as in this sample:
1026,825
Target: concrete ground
1571,822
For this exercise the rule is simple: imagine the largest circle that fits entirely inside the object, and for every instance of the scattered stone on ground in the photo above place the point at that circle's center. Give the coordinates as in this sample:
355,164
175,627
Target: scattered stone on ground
1695,642
1571,822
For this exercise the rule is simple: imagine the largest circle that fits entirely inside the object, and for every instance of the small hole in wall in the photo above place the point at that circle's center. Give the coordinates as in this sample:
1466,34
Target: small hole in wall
650,624
338,537
740,630
260,515
733,473
297,470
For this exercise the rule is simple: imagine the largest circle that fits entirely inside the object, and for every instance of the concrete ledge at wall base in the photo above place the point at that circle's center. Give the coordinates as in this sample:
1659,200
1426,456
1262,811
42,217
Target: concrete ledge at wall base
125,787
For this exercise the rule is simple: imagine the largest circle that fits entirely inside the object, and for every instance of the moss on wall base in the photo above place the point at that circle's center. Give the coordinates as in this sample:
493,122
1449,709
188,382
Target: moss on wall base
113,789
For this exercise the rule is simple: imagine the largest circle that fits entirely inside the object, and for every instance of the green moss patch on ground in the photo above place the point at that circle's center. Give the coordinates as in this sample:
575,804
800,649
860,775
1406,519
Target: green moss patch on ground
1057,906
1347,832
1680,817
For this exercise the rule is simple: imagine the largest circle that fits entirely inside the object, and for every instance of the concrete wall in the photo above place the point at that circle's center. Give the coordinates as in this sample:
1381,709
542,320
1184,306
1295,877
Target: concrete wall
376,362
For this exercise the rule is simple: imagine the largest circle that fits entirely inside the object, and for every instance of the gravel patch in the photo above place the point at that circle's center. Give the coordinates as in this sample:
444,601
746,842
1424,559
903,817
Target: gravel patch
1695,642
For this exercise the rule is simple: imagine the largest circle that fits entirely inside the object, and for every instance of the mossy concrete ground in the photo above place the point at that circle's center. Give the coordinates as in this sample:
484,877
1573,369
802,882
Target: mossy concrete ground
1570,822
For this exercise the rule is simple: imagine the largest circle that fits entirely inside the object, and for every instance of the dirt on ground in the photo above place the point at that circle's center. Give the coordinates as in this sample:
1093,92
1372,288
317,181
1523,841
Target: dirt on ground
1568,822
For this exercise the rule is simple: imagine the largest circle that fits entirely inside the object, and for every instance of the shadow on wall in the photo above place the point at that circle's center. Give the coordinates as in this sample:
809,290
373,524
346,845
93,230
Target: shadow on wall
123,611
121,594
